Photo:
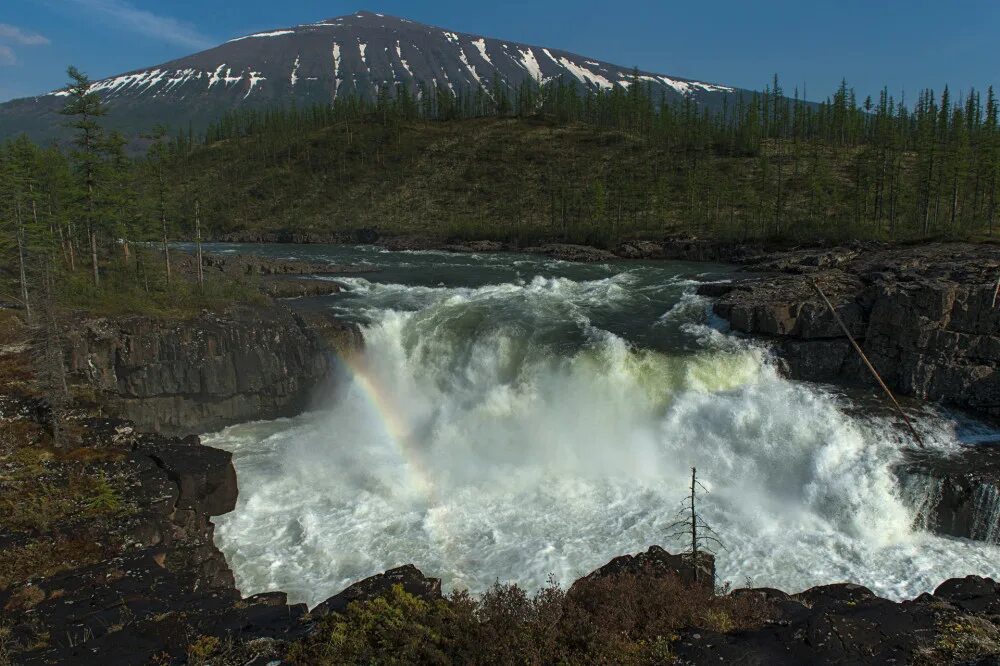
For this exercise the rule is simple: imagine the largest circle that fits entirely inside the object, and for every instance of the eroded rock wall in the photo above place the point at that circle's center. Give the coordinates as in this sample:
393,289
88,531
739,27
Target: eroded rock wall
205,373
925,316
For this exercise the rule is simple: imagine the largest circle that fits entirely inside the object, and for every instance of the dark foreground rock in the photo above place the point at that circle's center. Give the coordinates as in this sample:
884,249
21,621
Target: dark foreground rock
927,316
162,585
654,563
849,624
183,377
410,578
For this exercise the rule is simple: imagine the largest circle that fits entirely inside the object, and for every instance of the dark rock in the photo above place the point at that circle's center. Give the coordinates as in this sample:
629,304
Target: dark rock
958,494
205,476
657,562
408,576
568,252
848,624
923,314
291,287
194,376
330,334
828,595
163,583
974,594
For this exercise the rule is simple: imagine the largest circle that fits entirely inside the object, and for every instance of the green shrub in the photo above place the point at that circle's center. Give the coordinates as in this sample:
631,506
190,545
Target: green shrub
614,620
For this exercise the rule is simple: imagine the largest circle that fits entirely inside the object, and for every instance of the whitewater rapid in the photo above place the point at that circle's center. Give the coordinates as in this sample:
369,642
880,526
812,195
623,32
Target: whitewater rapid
502,430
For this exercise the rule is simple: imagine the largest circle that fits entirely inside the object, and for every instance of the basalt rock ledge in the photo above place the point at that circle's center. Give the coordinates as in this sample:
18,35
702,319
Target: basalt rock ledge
214,370
927,316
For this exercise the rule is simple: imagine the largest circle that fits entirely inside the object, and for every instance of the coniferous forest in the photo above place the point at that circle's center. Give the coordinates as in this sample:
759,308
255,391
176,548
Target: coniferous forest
550,162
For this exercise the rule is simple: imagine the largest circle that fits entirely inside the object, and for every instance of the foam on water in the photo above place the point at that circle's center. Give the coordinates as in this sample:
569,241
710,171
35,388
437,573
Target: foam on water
498,432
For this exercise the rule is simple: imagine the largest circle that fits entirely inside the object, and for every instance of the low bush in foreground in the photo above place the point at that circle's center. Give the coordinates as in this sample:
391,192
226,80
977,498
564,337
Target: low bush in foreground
620,620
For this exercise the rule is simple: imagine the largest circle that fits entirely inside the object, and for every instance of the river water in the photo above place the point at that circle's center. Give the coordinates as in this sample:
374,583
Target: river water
515,417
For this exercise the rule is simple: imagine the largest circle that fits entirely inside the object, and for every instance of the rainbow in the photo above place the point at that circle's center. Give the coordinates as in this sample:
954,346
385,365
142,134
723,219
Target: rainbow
394,424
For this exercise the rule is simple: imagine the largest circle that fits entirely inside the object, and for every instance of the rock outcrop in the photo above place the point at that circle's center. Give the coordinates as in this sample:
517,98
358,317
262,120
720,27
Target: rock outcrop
162,583
657,562
849,624
958,494
410,578
926,316
192,376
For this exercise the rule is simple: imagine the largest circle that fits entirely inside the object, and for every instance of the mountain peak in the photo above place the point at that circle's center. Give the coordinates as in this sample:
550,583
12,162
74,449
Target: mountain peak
357,53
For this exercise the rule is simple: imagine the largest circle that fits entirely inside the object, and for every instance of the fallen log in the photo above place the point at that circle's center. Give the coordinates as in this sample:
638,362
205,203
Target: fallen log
868,363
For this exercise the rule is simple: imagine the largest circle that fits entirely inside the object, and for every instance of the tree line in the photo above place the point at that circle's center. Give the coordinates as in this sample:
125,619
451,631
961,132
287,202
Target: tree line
762,165
869,168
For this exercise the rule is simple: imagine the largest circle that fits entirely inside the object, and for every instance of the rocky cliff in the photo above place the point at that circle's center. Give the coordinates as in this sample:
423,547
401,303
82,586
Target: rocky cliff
217,369
928,317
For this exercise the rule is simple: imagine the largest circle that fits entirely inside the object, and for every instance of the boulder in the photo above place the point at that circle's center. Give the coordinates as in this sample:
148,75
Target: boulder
408,576
656,562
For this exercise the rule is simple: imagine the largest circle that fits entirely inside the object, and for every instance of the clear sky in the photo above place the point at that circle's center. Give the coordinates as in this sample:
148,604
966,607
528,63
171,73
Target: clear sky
904,44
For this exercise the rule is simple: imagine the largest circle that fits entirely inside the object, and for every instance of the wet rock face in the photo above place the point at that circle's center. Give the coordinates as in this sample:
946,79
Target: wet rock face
956,495
203,374
925,316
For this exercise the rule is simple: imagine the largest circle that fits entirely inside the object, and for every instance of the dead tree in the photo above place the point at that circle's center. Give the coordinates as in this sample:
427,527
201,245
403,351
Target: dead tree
691,525
166,247
868,364
48,359
197,240
20,255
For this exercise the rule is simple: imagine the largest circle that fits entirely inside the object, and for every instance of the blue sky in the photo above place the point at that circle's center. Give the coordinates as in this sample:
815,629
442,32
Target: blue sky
904,44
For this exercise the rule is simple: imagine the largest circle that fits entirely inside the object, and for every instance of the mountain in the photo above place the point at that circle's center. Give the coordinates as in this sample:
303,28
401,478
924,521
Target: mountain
319,61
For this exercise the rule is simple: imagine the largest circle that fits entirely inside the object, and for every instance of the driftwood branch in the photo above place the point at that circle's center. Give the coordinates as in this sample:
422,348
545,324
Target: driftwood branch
868,363
996,293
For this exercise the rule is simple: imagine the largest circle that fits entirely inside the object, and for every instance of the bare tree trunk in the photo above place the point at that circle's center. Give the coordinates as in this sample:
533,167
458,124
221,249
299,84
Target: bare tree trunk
48,359
71,246
62,245
868,364
197,236
166,248
694,527
93,239
20,257
93,256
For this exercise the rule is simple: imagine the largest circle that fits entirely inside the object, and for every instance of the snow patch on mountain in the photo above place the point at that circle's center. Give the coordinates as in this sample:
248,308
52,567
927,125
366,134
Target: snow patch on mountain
402,60
469,66
273,33
585,76
530,63
480,45
255,78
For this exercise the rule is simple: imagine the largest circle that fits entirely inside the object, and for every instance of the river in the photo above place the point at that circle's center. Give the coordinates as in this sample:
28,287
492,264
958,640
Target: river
514,417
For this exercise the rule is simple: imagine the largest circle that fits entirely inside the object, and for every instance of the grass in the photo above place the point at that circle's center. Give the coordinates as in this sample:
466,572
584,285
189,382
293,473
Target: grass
962,639
44,557
38,492
128,290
